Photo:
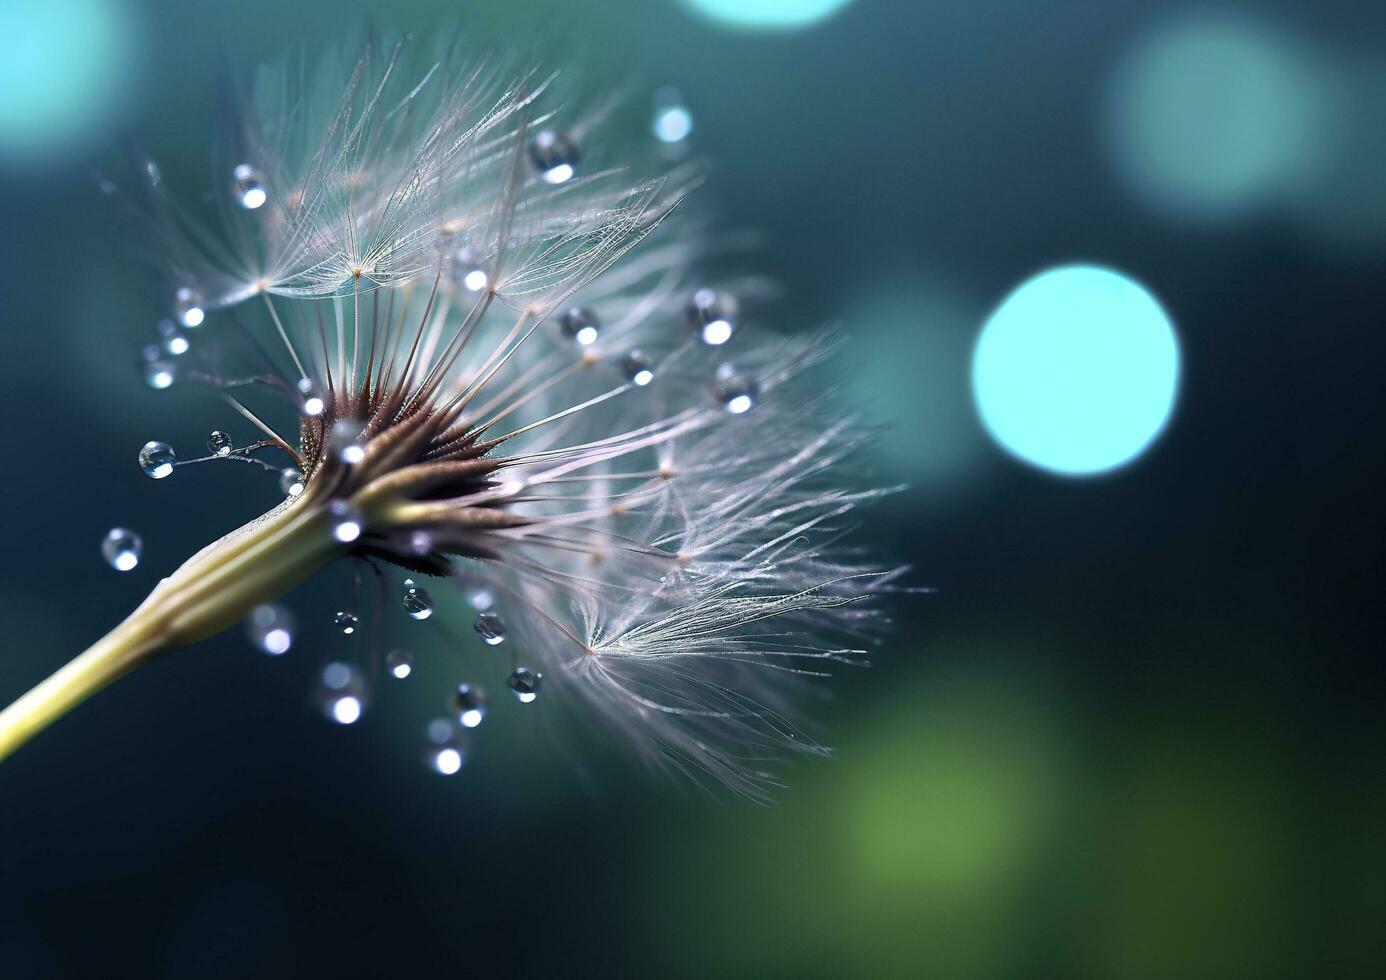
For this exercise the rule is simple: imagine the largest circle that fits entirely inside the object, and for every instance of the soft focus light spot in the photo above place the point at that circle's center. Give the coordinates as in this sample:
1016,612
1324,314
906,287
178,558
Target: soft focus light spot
253,198
448,761
277,641
740,405
62,66
560,174
475,280
717,332
587,336
1213,115
471,718
346,710
673,124
1076,370
766,14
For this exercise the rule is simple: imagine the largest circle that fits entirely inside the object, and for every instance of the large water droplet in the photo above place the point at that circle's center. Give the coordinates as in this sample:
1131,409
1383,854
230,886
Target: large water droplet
580,324
712,315
400,663
444,749
489,627
525,683
220,443
345,441
736,391
290,481
157,459
417,601
271,628
638,369
250,186
342,693
346,521
311,401
346,621
188,307
121,548
554,155
158,374
469,704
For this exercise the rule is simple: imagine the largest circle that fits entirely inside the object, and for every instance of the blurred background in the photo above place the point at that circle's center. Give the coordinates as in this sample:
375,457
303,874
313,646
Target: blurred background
1136,731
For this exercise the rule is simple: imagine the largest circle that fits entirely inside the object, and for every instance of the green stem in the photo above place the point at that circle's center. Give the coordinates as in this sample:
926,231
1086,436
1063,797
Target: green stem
214,589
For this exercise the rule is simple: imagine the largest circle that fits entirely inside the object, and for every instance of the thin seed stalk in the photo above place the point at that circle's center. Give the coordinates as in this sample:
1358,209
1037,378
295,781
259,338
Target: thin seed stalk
214,589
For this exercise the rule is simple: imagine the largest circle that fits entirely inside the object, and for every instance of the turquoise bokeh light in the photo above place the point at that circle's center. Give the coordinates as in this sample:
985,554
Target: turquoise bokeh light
61,64
1076,371
766,14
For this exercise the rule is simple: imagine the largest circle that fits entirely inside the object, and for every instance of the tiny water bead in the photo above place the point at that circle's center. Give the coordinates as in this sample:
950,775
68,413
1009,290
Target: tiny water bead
291,481
738,392
271,628
525,683
417,601
188,307
638,369
175,342
345,441
469,704
490,628
157,459
444,751
346,621
712,315
554,155
250,186
121,548
219,443
346,521
310,398
158,374
400,664
580,324
342,693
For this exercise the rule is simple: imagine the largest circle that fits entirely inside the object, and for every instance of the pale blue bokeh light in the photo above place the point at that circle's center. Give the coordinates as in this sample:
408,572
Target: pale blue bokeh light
62,65
1076,371
766,14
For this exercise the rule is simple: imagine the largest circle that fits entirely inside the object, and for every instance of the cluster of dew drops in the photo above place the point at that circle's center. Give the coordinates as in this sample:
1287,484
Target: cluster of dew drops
342,690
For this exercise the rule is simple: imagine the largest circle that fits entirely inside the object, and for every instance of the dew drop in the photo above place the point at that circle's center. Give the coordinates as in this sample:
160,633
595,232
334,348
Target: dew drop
346,521
469,704
291,481
736,391
342,693
417,601
444,750
310,397
468,269
121,548
157,459
525,683
580,324
271,628
672,121
554,155
188,307
489,627
400,664
346,621
712,315
250,186
158,374
219,443
175,341
638,369
345,441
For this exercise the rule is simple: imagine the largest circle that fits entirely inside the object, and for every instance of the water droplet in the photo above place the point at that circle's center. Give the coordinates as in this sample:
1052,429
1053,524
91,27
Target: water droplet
444,749
157,459
712,315
188,307
420,543
219,443
525,683
290,481
736,391
158,374
638,369
250,186
580,324
400,663
672,121
346,621
481,598
311,401
417,602
271,628
554,155
469,704
468,269
345,441
121,548
346,521
489,627
342,693
175,341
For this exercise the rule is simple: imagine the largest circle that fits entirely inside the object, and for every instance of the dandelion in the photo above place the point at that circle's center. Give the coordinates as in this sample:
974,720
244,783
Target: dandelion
506,373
